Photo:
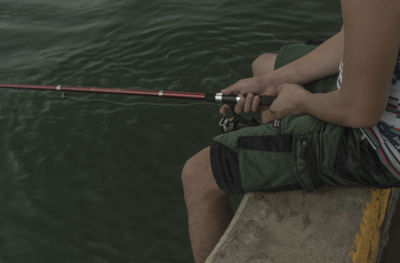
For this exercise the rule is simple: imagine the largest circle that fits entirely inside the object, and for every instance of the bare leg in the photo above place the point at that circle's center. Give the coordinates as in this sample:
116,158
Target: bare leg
263,65
209,208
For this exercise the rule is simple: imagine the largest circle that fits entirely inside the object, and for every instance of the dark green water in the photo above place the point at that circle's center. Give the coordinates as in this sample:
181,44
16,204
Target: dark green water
86,180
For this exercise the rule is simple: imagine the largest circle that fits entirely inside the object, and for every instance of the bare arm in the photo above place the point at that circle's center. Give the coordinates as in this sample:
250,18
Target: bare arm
372,40
323,61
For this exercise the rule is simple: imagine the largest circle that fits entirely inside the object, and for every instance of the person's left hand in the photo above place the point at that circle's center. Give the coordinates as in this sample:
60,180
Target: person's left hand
288,102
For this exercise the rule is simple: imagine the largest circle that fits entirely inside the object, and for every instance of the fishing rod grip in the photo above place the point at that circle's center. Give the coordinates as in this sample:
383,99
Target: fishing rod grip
267,100
233,99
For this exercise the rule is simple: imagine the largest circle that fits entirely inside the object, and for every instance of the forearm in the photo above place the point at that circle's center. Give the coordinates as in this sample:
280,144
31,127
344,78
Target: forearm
322,62
368,68
336,107
370,53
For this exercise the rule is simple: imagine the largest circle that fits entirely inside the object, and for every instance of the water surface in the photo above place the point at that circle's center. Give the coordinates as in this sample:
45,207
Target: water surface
96,178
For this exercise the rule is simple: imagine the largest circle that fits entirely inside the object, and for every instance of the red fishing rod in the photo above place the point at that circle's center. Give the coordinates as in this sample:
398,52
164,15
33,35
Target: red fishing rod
210,97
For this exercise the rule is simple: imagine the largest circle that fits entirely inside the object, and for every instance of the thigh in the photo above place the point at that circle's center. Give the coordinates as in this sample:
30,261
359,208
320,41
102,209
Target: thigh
300,152
262,158
263,64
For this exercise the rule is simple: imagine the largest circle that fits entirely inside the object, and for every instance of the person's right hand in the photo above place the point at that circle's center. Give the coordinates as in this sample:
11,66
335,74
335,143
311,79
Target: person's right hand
250,89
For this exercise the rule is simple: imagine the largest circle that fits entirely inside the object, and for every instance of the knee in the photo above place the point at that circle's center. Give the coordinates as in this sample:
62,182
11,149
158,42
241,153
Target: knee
197,177
191,175
189,172
263,64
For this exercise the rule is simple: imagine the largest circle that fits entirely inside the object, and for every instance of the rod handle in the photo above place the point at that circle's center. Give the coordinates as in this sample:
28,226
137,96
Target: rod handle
233,99
267,100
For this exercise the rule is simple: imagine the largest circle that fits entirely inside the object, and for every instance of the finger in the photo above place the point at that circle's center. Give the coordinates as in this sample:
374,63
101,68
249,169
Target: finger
239,106
232,89
266,116
269,116
276,114
241,86
256,104
248,102
224,109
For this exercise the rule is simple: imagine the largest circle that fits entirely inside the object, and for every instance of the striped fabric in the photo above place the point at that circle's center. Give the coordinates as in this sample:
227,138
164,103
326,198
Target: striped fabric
385,136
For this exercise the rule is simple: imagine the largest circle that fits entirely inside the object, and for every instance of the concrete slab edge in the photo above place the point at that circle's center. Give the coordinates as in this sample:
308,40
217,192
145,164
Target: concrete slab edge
391,209
367,241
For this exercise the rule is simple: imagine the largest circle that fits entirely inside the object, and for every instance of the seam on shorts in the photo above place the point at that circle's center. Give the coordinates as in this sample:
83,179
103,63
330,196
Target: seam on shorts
225,168
270,143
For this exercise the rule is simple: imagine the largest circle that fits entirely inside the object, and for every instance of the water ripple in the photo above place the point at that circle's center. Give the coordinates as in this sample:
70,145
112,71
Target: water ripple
96,169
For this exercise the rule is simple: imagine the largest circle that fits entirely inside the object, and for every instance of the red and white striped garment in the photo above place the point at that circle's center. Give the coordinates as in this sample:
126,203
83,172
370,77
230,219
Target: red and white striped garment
385,136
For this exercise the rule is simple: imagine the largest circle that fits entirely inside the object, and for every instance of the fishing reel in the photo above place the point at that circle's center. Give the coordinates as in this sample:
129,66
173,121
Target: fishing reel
235,122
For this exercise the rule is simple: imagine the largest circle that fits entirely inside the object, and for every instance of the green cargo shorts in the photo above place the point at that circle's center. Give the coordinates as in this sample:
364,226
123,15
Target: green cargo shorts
297,152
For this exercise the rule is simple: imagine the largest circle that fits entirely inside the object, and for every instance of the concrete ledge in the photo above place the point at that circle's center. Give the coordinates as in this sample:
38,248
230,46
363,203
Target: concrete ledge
330,225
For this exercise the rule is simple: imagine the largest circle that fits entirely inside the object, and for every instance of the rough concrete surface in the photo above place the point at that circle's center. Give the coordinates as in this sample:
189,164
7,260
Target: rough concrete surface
330,225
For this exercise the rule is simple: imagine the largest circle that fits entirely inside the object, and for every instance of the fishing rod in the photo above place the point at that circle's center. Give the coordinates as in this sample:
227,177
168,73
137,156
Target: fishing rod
210,97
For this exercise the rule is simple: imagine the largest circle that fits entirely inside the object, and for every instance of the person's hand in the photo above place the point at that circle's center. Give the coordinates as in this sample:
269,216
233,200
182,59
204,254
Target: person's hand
250,89
288,102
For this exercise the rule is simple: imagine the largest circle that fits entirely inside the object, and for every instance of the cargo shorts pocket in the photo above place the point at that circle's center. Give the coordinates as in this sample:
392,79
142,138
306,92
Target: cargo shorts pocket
307,164
267,163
